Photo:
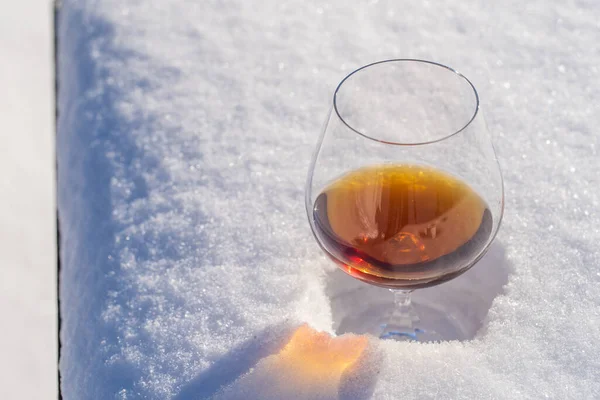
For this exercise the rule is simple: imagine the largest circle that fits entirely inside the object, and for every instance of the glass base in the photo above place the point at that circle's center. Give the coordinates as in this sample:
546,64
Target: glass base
455,310
426,323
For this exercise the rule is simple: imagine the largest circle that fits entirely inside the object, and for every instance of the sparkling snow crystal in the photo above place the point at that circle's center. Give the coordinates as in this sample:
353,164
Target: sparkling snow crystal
184,137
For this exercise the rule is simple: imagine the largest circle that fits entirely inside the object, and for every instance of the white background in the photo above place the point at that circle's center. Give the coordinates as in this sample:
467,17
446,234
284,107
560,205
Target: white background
28,342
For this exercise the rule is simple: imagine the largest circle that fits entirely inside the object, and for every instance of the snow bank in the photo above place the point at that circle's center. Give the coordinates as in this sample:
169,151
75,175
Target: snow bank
184,138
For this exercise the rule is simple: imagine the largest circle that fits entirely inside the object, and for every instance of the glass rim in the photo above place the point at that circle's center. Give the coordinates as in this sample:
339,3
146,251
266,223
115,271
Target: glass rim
416,60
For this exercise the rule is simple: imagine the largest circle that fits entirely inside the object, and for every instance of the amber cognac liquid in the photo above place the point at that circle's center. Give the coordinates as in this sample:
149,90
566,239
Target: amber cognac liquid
402,226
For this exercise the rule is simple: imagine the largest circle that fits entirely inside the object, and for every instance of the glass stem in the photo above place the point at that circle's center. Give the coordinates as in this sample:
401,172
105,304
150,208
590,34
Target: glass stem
403,319
404,313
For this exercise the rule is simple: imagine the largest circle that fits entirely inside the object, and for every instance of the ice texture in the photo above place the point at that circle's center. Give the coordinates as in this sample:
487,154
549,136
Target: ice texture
184,136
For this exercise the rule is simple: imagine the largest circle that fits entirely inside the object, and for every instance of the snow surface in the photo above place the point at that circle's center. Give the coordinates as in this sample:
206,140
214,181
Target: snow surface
185,134
28,338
